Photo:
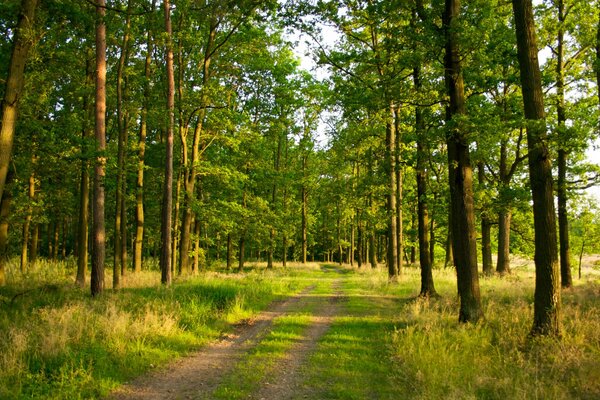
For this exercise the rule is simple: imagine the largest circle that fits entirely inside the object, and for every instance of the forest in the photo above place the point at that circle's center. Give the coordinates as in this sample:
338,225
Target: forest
416,175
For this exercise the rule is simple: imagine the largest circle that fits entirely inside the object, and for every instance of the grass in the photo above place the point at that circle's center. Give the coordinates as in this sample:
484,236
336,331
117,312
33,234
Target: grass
391,345
59,343
385,343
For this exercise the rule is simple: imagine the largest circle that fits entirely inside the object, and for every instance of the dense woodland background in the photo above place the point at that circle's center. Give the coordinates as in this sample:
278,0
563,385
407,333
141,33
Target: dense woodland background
412,144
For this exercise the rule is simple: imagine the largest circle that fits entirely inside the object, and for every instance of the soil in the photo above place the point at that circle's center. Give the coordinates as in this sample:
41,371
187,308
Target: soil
198,375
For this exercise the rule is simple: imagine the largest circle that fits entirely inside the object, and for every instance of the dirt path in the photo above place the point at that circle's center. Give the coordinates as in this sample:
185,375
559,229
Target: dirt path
199,374
286,383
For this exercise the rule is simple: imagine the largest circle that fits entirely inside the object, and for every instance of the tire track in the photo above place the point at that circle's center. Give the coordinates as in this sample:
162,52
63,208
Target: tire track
199,374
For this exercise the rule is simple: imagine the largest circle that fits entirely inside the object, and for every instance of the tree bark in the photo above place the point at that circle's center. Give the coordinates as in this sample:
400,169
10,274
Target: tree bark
229,251
503,262
167,202
4,213
84,188
598,59
120,239
14,84
427,285
28,218
399,188
460,176
392,247
190,175
139,192
486,229
546,319
561,192
99,235
304,221
35,236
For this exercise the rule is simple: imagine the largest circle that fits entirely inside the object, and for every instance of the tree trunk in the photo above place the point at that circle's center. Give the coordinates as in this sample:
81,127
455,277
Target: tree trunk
229,251
27,224
14,84
392,247
167,203
119,237
99,235
546,320
598,59
196,265
486,229
563,222
4,213
460,176
563,218
432,238
242,252
176,230
399,227
190,176
139,192
503,262
304,221
56,240
35,236
84,191
425,261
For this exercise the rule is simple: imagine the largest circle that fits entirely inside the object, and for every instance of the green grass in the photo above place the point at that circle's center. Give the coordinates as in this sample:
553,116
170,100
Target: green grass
59,343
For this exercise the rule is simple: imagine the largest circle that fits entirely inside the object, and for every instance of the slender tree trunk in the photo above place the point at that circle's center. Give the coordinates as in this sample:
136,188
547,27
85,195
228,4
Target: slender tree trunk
56,240
99,236
229,251
139,193
190,181
546,320
4,213
122,128
425,261
503,262
449,258
392,247
486,229
196,265
563,222
84,191
167,203
176,231
14,84
598,59
460,176
505,214
304,222
242,252
35,236
432,238
563,218
28,218
399,226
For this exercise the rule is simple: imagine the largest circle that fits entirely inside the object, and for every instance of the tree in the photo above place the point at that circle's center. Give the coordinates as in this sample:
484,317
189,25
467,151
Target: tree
546,319
460,174
99,235
22,42
167,203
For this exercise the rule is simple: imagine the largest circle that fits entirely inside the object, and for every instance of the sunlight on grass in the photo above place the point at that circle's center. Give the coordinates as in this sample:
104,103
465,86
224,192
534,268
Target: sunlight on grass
60,343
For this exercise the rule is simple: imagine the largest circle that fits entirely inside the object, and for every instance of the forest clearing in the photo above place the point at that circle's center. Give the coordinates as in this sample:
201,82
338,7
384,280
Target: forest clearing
299,199
319,331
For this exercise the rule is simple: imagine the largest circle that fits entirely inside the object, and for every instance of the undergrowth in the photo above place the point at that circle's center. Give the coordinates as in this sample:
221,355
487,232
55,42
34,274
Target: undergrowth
59,343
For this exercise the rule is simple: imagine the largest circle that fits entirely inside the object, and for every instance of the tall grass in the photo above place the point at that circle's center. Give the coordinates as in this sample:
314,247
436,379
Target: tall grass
58,343
496,359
